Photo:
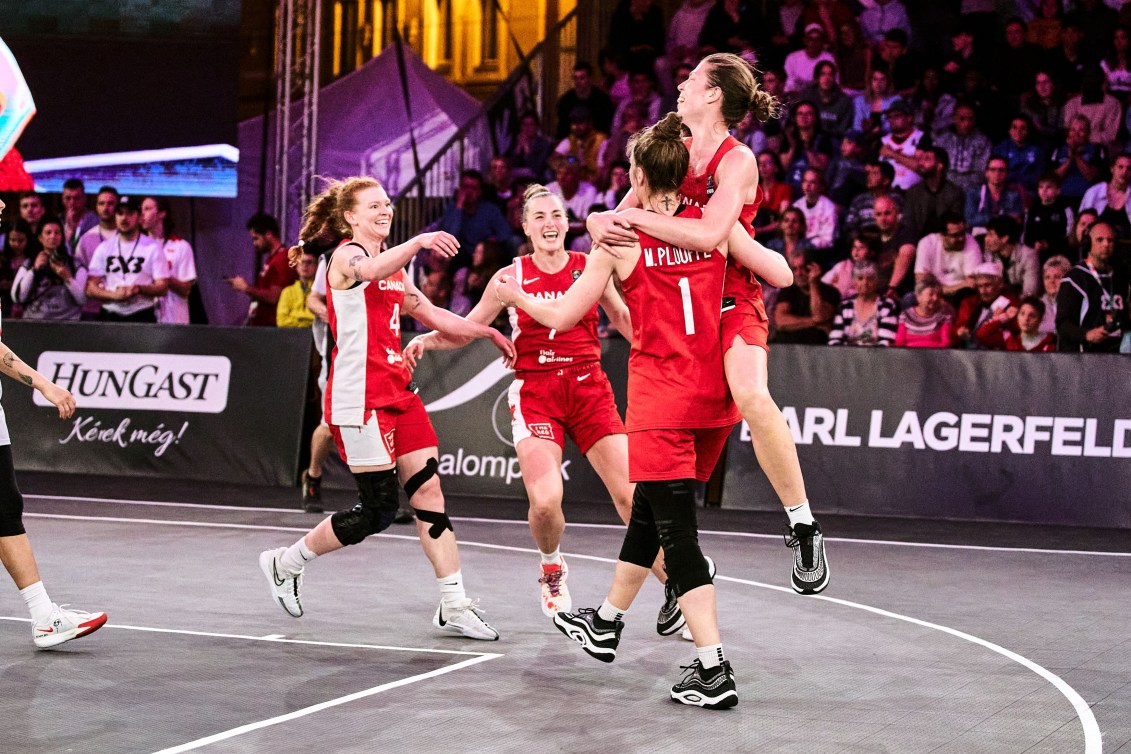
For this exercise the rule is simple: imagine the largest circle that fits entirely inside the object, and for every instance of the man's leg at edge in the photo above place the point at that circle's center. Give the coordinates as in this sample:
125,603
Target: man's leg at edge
321,443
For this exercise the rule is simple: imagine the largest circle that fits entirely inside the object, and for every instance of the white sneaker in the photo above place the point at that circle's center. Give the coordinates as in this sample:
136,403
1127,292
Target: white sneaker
65,625
467,619
555,593
284,589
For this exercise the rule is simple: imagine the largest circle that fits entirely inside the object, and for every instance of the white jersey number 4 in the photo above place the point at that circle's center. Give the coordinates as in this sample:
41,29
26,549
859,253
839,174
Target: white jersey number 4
395,320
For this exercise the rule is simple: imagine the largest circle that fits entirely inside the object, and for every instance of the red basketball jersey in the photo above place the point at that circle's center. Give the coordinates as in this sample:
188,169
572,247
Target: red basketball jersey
675,366
367,370
539,348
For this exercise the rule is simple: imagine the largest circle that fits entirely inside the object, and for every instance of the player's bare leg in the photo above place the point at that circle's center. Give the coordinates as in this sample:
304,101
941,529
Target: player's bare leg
541,463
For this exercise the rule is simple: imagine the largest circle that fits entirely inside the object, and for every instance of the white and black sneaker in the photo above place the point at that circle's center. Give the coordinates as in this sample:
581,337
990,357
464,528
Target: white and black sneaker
597,636
670,618
465,619
284,588
712,688
810,568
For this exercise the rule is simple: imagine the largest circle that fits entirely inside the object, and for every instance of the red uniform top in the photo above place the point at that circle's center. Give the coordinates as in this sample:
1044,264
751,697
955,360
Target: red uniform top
367,370
741,284
539,348
675,366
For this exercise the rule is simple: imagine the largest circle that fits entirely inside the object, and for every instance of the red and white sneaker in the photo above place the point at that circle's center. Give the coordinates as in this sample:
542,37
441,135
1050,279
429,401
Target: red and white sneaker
65,625
555,593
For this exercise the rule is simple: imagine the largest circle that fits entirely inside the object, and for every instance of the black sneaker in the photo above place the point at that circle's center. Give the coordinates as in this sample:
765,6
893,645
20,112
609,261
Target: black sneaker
404,516
311,493
670,618
810,568
713,688
596,636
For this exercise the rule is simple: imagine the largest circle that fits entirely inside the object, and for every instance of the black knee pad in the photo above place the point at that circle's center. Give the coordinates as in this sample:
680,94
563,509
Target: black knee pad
673,505
378,499
439,521
419,478
641,542
11,501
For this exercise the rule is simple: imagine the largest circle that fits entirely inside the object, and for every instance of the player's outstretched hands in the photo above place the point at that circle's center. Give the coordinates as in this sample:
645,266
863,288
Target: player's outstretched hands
610,229
59,398
444,244
504,344
414,352
508,290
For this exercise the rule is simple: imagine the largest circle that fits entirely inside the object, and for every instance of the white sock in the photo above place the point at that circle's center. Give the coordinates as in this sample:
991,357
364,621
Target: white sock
552,558
37,601
710,656
800,514
610,612
451,589
296,557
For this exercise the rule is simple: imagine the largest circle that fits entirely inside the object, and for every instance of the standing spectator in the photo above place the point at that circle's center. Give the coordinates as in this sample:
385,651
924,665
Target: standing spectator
865,248
125,273
806,146
800,65
929,200
1109,199
276,274
584,94
896,258
967,147
950,256
902,145
835,108
1117,65
1021,267
1101,109
728,27
292,310
177,258
803,312
49,288
32,210
530,151
643,96
577,195
106,206
637,27
1018,329
1052,273
583,145
1045,108
1078,163
18,249
929,323
870,108
1049,219
77,219
1024,159
994,198
1091,306
882,17
820,212
868,318
977,310
878,177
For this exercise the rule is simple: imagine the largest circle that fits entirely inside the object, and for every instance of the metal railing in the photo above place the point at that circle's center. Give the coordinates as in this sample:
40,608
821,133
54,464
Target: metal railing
421,202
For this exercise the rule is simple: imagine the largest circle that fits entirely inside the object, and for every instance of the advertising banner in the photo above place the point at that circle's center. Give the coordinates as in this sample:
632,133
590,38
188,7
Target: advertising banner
217,403
1041,438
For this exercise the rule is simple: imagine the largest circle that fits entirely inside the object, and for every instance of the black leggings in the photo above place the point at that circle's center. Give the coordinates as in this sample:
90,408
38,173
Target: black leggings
663,515
11,501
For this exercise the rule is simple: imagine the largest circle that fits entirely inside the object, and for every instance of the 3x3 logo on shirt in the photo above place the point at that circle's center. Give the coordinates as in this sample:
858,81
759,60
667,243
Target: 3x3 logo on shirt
124,265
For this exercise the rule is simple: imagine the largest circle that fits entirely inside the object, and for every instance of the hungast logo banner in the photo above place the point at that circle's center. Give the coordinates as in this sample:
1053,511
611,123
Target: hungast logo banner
139,381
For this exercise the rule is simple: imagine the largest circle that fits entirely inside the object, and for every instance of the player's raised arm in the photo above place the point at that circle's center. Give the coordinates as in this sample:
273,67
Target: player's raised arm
567,311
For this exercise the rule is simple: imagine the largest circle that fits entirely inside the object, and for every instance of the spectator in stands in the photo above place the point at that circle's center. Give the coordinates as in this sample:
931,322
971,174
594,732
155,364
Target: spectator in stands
630,120
776,193
582,146
806,146
577,194
1045,28
177,257
1069,61
964,56
583,94
1079,242
49,287
929,323
821,216
1109,199
951,256
1078,162
615,76
853,58
803,312
1021,267
1017,329
1045,108
1052,273
847,176
750,131
32,210
865,248
878,177
994,198
530,151
882,17
773,82
800,65
618,185
829,15
18,249
1016,60
470,282
1091,306
901,146
1024,159
967,147
125,272
834,107
1116,65
292,310
436,285
499,186
868,318
684,29
928,201
870,108
1097,20
904,68
471,220
106,206
975,311
933,107
642,94
792,240
77,219
1103,111
728,27
276,274
789,13
896,258
637,28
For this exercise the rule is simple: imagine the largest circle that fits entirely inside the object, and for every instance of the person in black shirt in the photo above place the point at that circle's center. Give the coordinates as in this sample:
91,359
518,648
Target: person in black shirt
584,93
1091,306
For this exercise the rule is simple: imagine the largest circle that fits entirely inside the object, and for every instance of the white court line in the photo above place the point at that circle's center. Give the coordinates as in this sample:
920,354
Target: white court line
1091,728
748,535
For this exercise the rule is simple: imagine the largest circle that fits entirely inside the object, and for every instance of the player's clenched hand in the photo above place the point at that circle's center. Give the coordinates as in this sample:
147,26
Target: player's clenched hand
440,242
59,398
413,352
504,344
507,290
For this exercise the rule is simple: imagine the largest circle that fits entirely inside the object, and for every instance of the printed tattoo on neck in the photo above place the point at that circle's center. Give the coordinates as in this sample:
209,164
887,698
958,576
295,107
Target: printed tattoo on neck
667,202
355,266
